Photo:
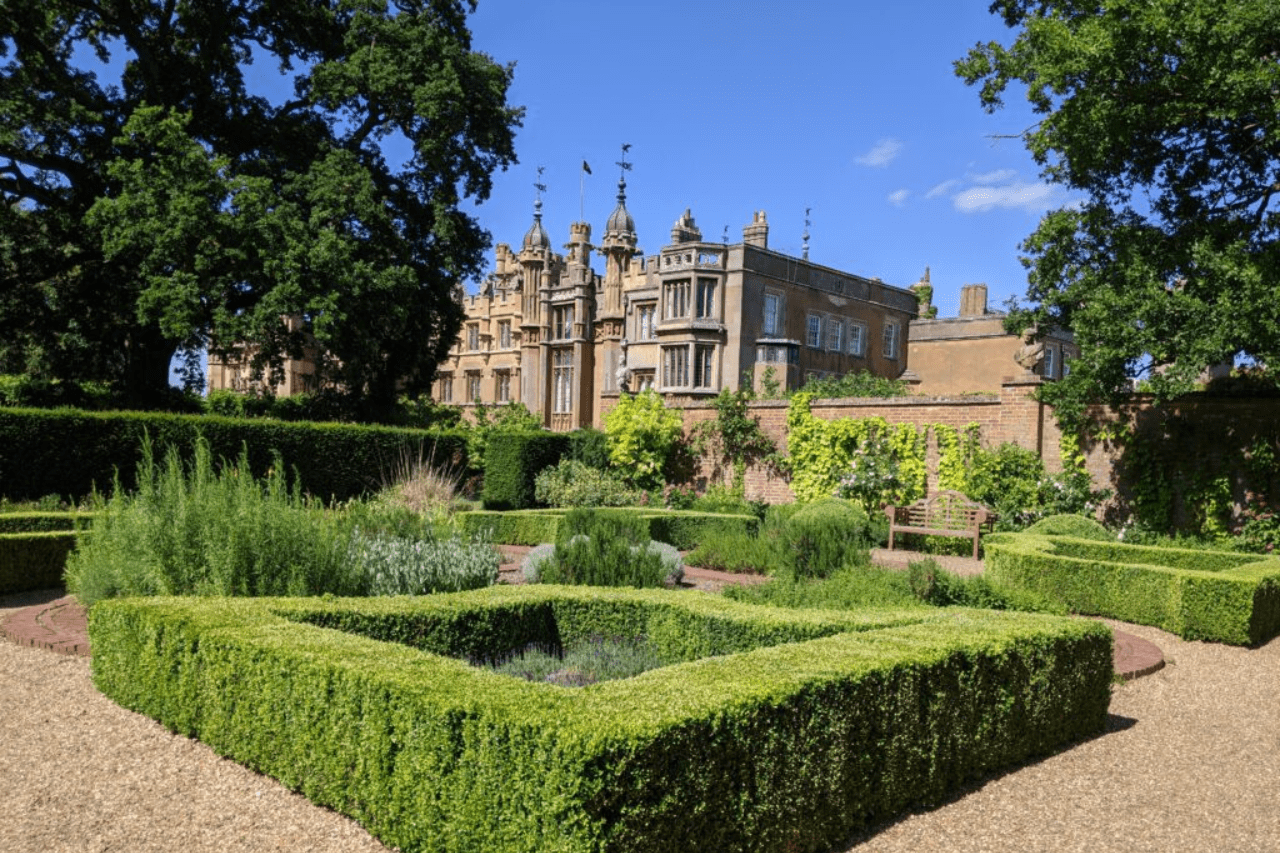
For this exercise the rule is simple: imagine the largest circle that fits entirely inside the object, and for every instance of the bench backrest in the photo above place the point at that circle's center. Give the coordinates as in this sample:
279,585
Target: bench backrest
946,510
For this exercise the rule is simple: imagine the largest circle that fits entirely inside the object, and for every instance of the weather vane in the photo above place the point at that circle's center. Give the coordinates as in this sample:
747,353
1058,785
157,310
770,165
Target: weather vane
626,167
538,184
805,236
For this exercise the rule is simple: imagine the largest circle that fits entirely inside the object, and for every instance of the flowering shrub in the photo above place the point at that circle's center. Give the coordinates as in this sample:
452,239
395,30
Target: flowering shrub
873,477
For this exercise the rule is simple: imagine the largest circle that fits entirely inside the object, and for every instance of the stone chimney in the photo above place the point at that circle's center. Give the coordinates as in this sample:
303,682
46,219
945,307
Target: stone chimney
757,233
685,231
973,300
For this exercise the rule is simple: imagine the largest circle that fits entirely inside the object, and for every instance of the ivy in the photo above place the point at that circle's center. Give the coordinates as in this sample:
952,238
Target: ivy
956,451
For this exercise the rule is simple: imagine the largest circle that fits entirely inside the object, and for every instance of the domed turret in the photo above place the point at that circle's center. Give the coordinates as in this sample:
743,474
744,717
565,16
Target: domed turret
536,237
620,220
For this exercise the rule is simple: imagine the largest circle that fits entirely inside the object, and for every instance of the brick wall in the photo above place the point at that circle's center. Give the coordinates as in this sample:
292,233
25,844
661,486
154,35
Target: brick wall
1010,416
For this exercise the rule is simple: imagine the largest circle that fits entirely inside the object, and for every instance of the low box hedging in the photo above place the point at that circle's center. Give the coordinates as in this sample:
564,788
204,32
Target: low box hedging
67,452
805,725
33,560
681,528
39,521
1222,596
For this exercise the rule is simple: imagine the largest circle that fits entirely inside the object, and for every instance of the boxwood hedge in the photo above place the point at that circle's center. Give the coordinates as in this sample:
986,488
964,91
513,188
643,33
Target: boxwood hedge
38,521
1222,596
34,560
798,728
68,452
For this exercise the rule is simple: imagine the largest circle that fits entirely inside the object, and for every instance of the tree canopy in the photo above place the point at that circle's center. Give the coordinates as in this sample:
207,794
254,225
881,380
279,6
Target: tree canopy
180,207
1161,116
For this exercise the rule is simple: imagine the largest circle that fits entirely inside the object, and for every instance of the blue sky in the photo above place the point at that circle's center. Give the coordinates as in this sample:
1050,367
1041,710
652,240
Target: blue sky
848,108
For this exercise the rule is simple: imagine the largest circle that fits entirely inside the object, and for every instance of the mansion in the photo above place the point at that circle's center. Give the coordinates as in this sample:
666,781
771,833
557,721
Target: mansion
691,320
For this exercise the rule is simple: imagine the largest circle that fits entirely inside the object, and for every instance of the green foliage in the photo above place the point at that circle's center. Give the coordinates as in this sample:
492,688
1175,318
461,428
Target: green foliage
778,740
333,461
512,465
822,537
1259,533
726,551
642,432
1012,481
956,452
608,549
511,527
571,483
733,438
1149,120
860,384
399,566
586,662
39,522
420,413
178,211
589,446
1077,526
934,585
193,530
509,417
846,589
34,560
1220,596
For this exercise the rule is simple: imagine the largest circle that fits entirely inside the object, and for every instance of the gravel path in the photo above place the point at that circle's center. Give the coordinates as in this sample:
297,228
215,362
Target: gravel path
1192,763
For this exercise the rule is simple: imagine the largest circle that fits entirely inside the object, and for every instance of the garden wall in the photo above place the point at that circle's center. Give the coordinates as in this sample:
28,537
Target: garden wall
1011,416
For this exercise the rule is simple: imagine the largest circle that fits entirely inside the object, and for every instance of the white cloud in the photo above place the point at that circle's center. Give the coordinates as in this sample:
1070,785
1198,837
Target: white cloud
881,154
942,189
1032,197
899,198
1000,176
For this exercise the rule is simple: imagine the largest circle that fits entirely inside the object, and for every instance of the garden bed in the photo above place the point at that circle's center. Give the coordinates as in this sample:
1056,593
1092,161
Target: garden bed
798,728
1222,596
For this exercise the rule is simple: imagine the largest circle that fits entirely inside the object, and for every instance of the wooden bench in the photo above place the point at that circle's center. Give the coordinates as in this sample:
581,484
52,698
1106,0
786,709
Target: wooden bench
947,513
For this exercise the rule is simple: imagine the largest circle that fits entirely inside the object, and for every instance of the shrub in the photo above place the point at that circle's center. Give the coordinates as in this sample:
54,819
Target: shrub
1012,481
34,560
571,483
492,420
191,530
1071,525
588,661
824,536
513,460
727,551
846,589
538,556
590,446
608,549
397,566
934,585
422,485
642,434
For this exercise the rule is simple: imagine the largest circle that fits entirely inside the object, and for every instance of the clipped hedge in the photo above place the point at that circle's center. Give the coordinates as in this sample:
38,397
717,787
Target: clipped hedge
681,528
69,452
512,461
1221,596
806,726
40,521
33,560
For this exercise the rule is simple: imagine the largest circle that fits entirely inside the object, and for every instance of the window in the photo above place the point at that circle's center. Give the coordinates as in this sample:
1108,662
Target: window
1049,358
562,322
446,388
890,339
814,330
675,367
502,381
473,336
706,304
772,314
645,330
835,335
504,334
675,295
562,381
857,339
473,387
644,381
703,364
1066,364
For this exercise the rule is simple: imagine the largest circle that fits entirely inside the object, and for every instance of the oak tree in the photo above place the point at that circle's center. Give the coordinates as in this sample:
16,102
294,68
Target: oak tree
1160,117
183,174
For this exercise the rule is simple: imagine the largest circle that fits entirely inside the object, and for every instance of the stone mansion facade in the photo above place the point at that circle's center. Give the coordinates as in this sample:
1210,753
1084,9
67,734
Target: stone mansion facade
695,318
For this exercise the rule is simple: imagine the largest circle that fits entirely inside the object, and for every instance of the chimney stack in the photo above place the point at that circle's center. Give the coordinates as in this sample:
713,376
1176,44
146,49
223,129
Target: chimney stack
973,300
757,233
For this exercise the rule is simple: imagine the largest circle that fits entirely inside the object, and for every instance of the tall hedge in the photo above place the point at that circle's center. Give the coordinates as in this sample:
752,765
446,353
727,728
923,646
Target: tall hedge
70,452
33,560
513,460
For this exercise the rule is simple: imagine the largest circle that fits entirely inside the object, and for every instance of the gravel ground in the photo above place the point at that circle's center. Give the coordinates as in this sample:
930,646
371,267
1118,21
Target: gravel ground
1191,763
